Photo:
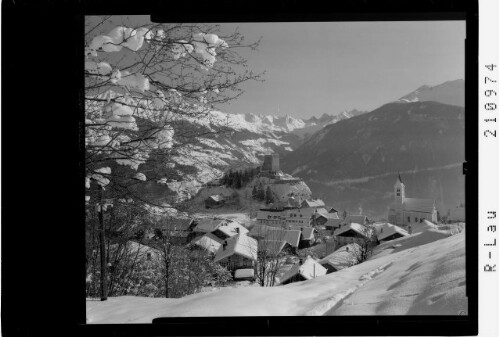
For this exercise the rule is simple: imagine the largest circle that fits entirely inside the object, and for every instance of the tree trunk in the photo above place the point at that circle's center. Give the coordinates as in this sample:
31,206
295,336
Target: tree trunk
102,239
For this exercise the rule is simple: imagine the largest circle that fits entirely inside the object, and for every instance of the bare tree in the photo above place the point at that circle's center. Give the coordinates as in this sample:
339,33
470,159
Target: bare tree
146,87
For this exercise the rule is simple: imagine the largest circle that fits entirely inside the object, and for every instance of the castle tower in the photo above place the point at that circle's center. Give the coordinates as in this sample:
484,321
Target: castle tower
271,163
399,189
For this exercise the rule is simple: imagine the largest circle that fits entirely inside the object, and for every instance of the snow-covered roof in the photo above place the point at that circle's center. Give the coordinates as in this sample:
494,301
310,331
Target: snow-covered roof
328,216
312,203
209,242
384,230
230,228
308,270
358,228
244,273
217,197
241,244
341,258
208,225
362,219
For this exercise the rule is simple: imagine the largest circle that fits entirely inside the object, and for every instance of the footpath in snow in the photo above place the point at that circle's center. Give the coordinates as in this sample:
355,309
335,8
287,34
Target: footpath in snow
420,274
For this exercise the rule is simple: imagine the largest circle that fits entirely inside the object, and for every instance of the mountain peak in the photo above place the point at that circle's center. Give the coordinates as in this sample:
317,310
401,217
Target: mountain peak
449,92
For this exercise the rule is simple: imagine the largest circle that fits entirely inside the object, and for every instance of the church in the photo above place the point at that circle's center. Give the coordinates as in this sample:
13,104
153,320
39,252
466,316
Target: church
404,211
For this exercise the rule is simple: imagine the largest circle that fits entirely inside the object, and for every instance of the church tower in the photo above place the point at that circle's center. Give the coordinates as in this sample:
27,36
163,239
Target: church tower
399,189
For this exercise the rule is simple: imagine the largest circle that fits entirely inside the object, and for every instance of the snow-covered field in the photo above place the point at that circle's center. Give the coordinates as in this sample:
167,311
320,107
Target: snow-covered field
422,274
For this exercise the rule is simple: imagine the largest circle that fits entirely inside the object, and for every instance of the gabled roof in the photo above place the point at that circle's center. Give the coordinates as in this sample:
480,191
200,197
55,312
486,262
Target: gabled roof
418,205
332,210
217,197
358,228
209,242
271,246
312,203
230,228
308,270
341,258
208,225
241,244
362,219
384,230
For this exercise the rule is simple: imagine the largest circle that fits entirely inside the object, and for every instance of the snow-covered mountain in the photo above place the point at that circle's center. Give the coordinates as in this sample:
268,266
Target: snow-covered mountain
236,140
450,92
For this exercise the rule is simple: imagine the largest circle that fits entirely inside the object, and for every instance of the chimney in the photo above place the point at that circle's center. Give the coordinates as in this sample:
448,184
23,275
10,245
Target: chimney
301,228
224,245
347,249
237,230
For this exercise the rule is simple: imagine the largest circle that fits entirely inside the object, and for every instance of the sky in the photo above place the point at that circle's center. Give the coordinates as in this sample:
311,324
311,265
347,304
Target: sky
317,68
328,67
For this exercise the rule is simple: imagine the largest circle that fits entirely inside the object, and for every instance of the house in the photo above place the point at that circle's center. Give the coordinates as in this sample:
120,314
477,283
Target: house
311,206
360,219
312,203
208,242
341,258
301,272
238,252
214,201
405,211
221,228
386,231
351,233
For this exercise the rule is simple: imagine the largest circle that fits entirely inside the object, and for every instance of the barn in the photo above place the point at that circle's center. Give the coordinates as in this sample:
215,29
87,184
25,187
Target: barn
238,252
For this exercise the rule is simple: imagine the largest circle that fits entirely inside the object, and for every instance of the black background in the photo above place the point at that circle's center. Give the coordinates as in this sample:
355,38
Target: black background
43,279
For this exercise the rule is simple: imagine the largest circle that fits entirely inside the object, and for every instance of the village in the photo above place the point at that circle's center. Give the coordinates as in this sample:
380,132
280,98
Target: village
293,237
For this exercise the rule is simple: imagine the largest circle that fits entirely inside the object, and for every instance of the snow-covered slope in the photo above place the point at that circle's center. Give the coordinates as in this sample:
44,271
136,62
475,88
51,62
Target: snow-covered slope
423,274
450,92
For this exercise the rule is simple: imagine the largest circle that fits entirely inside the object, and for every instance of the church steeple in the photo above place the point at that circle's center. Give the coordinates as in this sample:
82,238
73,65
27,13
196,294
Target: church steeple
399,190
